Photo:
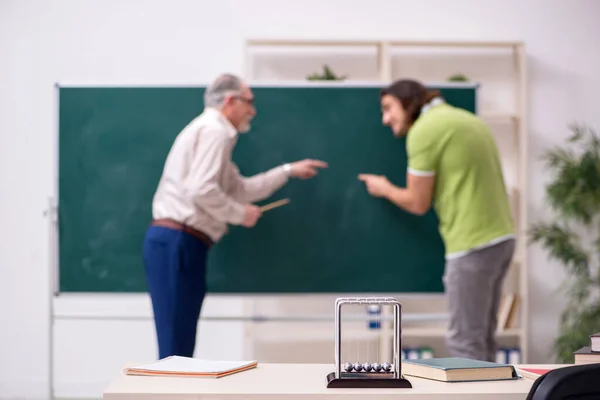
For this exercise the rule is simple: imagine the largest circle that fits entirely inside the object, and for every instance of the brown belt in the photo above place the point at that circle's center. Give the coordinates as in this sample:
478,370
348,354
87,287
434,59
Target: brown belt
169,223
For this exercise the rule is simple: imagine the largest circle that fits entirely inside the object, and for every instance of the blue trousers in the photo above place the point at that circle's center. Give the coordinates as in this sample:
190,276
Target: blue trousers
175,266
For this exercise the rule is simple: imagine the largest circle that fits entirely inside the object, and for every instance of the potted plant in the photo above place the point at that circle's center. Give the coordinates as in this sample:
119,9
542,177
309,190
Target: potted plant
458,78
327,75
573,237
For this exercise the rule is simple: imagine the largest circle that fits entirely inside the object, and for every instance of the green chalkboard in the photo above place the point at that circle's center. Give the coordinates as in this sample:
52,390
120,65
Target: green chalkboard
333,237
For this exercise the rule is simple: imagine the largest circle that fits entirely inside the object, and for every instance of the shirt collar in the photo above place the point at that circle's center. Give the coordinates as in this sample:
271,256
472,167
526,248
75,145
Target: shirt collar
220,118
436,101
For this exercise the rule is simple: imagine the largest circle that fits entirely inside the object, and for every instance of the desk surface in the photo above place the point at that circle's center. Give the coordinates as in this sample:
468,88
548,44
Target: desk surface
302,381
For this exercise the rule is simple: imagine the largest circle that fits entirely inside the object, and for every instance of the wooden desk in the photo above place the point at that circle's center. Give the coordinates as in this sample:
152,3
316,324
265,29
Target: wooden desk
303,381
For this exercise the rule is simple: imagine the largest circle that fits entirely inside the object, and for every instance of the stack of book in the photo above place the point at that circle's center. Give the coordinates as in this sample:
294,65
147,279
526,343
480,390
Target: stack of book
589,354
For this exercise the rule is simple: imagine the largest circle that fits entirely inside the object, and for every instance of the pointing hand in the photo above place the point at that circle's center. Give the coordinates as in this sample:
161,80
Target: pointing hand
377,185
306,168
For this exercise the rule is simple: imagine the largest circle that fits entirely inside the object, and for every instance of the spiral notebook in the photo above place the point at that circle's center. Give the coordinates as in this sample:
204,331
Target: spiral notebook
191,367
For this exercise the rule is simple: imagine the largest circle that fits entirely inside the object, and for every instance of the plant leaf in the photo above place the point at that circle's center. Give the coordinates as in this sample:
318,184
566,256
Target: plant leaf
563,245
574,194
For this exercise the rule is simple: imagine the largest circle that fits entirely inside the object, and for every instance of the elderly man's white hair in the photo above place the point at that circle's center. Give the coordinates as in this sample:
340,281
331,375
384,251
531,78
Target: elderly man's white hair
224,85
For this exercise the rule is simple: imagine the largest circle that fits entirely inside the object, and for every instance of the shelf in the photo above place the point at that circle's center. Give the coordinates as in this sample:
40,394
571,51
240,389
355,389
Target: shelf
506,111
326,335
296,42
412,43
314,336
441,332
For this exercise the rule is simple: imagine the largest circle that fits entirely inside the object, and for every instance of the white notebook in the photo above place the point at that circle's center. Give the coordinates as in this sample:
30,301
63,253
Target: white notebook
191,367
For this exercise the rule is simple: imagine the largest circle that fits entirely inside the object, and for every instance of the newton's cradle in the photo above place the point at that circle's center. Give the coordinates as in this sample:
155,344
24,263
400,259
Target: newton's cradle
367,375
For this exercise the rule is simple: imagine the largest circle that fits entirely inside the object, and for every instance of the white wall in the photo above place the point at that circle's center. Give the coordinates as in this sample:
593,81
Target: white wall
178,41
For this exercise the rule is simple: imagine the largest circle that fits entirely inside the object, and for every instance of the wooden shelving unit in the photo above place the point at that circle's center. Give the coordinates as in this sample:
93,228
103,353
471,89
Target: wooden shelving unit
501,71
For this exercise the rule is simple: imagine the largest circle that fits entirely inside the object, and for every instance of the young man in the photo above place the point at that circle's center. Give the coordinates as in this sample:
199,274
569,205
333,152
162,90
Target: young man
453,162
200,192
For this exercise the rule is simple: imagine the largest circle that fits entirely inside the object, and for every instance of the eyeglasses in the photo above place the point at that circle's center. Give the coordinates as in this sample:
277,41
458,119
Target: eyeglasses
246,100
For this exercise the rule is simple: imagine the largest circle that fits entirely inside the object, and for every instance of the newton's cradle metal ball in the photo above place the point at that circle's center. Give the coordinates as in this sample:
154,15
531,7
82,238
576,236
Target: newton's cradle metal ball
366,367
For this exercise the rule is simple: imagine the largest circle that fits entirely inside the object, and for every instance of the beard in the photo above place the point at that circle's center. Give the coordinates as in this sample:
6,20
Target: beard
245,127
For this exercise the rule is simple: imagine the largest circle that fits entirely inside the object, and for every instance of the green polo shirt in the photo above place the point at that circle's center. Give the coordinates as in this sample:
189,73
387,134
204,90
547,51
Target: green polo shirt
470,196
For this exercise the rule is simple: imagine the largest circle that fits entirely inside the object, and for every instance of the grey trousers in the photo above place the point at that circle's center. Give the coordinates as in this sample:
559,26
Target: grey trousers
473,285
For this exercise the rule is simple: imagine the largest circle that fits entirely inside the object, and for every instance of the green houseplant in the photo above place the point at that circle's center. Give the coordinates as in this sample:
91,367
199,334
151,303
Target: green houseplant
573,238
458,78
326,75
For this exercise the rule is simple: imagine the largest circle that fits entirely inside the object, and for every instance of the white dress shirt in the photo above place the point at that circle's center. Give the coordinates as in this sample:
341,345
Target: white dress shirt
200,185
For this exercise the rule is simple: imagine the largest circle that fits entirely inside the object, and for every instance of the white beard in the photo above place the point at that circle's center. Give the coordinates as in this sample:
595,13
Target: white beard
245,128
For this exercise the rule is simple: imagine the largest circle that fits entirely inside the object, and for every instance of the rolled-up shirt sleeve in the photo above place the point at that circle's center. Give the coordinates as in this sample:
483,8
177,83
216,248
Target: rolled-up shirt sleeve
257,187
209,162
423,149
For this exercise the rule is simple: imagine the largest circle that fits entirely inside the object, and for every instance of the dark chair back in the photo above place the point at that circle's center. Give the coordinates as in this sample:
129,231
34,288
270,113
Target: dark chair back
574,382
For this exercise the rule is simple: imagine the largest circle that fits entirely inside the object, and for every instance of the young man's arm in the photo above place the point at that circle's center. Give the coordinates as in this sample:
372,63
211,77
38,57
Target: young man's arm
416,198
423,150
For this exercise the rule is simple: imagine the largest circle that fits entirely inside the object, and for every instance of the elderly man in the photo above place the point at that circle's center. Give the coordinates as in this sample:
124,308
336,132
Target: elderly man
200,192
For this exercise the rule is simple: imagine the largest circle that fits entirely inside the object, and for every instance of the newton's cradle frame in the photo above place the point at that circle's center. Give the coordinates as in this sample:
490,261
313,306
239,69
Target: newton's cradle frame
365,375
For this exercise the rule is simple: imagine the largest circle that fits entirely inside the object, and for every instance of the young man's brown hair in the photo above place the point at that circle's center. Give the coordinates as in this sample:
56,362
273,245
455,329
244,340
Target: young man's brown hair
412,95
